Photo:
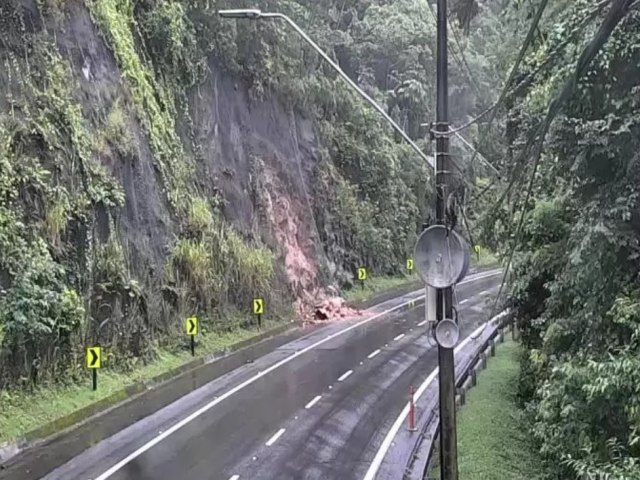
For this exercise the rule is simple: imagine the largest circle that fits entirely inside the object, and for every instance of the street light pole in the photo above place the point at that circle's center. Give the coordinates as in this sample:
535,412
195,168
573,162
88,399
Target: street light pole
257,14
444,298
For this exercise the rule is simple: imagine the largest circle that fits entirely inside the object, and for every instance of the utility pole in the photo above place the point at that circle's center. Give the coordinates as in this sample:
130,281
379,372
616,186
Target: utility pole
444,304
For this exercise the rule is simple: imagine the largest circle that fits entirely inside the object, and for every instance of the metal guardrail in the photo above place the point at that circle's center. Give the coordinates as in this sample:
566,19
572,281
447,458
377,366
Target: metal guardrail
470,360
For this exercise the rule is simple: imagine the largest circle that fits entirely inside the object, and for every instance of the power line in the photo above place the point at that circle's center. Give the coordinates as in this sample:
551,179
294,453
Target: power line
516,66
461,63
529,78
456,38
617,12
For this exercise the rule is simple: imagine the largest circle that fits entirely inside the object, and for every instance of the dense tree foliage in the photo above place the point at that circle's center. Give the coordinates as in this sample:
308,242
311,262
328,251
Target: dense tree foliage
68,273
576,287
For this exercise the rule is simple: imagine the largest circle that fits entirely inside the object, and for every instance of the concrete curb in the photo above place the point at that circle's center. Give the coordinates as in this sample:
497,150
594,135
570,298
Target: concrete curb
137,388
117,411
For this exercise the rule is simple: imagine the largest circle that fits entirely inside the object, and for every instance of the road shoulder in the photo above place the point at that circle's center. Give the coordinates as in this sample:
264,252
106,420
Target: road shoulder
102,419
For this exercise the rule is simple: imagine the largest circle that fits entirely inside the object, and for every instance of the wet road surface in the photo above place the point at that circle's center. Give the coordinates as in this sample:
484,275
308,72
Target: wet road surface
316,408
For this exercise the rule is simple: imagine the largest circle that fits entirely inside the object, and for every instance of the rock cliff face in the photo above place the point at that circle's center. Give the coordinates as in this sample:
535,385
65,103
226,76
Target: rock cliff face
146,176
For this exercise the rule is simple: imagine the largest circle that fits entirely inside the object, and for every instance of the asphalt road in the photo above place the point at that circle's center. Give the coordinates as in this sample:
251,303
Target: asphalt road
316,408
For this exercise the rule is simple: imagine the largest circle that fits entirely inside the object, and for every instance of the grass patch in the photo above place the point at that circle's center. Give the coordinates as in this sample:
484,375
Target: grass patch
493,442
486,258
375,285
21,412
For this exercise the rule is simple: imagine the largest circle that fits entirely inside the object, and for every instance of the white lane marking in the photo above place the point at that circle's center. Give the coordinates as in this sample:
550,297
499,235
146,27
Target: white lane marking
484,292
151,443
399,337
388,440
275,437
345,375
464,301
422,323
235,477
374,353
313,402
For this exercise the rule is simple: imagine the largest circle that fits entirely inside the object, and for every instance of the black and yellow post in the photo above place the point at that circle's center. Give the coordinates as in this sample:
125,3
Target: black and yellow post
258,309
410,265
362,276
192,331
94,362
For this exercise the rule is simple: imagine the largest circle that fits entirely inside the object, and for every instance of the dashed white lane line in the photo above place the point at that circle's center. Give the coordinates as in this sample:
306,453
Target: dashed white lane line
422,323
177,426
464,301
374,353
485,292
345,375
275,437
398,337
235,477
313,402
391,434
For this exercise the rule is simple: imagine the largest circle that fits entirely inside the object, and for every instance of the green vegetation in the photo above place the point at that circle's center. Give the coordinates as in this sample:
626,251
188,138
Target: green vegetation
376,285
485,258
73,140
75,136
571,213
493,439
23,411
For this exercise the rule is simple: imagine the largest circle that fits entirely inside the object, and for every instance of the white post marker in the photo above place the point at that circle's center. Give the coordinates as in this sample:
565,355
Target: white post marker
388,440
205,408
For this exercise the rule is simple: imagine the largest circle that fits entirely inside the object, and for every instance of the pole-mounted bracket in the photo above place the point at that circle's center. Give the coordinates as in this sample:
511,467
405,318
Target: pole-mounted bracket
435,133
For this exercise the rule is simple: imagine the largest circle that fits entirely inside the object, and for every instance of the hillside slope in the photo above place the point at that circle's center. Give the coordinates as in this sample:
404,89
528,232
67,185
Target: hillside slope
157,162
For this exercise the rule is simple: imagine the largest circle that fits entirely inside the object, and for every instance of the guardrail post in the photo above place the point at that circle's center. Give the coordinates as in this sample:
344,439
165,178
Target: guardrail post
483,360
474,377
502,335
492,343
461,397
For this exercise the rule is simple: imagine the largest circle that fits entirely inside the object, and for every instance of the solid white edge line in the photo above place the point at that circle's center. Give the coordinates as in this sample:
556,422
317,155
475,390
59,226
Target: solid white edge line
464,301
386,443
374,353
275,437
313,402
345,375
235,477
399,337
249,381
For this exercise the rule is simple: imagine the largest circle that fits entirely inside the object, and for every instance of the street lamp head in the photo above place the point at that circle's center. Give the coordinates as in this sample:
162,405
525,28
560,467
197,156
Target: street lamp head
240,13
